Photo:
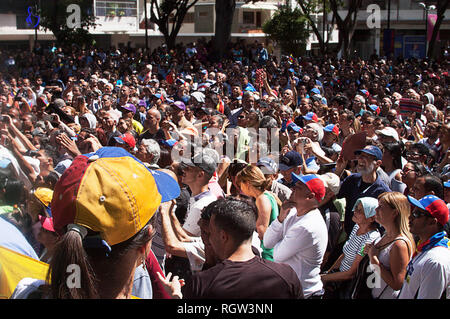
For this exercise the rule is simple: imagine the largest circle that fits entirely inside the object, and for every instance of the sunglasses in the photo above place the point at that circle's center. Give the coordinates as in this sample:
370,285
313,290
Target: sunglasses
419,213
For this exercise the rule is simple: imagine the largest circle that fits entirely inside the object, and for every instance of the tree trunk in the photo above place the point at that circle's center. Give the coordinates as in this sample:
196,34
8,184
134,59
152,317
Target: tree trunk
347,26
224,19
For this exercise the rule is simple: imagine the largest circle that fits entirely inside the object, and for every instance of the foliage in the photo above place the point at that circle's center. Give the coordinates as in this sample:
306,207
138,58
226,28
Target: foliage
53,14
288,27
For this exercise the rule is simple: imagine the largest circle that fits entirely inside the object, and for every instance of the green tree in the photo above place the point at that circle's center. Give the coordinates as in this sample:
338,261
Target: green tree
169,15
289,28
54,17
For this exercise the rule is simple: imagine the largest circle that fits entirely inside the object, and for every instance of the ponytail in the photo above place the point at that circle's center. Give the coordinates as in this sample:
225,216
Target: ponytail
69,251
89,257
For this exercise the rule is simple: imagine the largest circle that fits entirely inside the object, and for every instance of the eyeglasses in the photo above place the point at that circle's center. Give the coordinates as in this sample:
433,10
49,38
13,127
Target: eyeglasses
412,154
417,213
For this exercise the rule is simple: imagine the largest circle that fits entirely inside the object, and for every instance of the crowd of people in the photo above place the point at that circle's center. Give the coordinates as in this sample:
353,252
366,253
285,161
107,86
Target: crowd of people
169,174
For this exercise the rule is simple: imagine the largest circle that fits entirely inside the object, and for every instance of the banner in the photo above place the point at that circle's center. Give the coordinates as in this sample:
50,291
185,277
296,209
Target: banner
431,23
408,106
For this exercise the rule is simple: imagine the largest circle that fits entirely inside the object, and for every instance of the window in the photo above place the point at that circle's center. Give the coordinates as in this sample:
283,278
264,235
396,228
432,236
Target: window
21,22
189,17
117,8
248,17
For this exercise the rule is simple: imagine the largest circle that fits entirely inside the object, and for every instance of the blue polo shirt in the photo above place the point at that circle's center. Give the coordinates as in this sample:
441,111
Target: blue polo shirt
353,188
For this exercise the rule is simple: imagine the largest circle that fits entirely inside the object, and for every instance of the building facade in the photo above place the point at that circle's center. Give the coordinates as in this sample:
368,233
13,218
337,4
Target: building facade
122,22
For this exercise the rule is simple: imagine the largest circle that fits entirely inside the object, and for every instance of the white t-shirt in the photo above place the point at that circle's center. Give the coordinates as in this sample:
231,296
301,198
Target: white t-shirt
428,275
301,242
194,211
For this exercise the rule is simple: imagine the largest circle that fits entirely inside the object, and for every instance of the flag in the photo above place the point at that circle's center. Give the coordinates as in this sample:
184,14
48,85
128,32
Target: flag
291,58
14,267
410,106
431,23
220,106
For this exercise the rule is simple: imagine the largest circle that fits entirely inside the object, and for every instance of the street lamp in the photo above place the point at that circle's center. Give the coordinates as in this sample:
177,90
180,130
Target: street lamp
426,9
146,26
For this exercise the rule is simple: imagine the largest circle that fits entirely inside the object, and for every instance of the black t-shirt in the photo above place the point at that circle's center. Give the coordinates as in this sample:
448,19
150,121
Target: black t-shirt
158,136
256,278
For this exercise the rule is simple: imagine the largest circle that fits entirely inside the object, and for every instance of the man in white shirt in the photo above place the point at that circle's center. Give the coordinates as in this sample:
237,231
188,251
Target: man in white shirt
197,173
428,272
299,235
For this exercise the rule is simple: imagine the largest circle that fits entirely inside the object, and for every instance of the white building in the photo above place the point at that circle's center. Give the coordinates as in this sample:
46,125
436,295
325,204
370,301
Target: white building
121,22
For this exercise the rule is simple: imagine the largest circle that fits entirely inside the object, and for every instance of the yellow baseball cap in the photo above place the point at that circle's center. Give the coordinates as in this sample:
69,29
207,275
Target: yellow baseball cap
110,192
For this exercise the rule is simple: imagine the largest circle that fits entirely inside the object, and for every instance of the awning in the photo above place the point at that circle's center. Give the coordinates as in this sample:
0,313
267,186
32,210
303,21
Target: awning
258,6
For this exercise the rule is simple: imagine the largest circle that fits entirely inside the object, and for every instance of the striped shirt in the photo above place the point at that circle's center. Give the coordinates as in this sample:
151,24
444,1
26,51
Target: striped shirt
354,244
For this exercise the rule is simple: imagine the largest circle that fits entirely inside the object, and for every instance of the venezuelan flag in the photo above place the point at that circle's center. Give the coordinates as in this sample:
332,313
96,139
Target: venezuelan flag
14,267
220,106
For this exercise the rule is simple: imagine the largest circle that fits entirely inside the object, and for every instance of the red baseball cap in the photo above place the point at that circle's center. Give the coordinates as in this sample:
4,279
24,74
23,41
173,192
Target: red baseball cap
126,138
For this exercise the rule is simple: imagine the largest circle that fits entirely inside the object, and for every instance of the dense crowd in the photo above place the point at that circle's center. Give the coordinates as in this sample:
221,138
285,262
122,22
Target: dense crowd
287,175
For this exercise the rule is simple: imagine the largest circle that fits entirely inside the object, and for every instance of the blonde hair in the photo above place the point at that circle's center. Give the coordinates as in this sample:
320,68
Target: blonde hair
399,202
255,177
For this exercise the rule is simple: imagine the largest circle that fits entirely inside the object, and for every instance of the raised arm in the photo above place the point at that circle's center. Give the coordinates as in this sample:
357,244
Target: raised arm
172,244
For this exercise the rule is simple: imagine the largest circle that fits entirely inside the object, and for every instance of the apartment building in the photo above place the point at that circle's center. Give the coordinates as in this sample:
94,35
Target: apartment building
122,22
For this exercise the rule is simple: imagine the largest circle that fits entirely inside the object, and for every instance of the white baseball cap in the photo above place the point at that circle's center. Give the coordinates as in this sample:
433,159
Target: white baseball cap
388,131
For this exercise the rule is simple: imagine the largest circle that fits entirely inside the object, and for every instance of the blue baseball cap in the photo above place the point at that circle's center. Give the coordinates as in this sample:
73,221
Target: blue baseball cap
433,205
290,160
311,116
315,90
313,182
371,150
375,108
294,127
447,184
332,128
268,164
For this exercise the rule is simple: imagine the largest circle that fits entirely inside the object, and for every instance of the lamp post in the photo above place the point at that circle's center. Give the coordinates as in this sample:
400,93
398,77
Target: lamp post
426,9
146,25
